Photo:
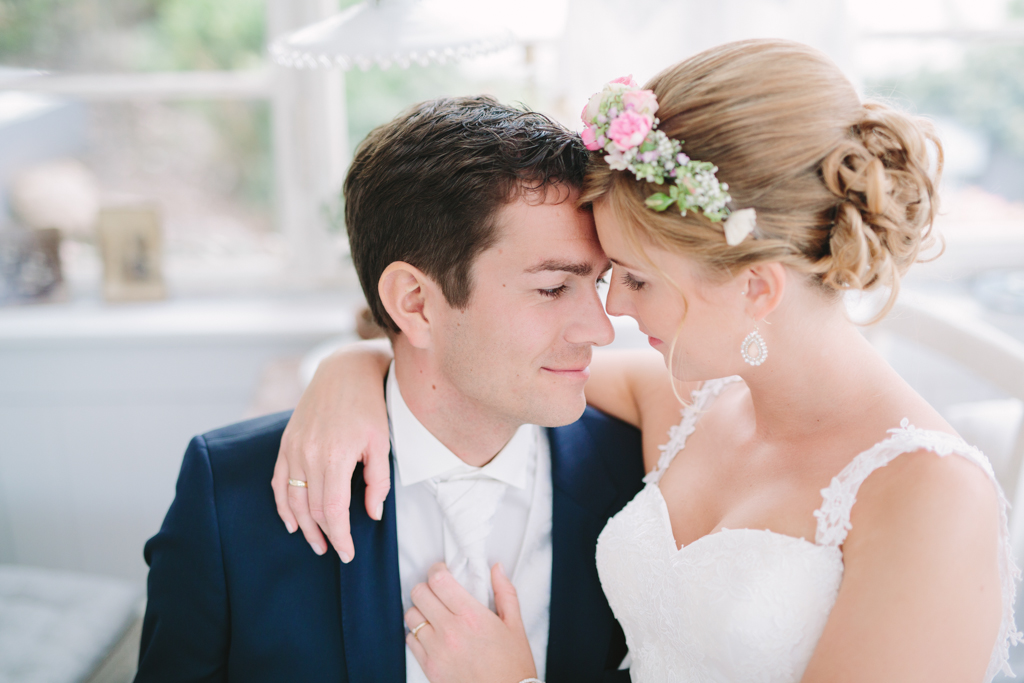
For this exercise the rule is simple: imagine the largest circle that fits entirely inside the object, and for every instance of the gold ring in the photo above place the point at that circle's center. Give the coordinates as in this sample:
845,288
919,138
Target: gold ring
417,630
297,482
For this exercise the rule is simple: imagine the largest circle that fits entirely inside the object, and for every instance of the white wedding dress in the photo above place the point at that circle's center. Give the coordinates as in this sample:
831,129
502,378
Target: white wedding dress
744,605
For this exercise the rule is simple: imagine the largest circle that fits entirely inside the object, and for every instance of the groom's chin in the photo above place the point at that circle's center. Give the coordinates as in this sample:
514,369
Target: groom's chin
550,413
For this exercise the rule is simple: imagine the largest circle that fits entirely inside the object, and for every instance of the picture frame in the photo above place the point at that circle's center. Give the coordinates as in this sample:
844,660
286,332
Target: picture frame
131,244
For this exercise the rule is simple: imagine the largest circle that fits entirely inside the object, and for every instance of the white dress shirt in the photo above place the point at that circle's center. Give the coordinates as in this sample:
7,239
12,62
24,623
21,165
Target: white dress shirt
521,534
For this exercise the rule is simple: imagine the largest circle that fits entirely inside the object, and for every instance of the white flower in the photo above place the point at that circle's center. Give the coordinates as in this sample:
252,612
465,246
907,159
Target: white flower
738,225
593,108
617,160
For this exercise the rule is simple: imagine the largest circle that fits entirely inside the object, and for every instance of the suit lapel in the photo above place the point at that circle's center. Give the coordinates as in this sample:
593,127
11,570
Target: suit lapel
581,623
371,594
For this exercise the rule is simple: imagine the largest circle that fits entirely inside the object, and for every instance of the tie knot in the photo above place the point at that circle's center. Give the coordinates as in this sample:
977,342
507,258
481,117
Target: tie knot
468,504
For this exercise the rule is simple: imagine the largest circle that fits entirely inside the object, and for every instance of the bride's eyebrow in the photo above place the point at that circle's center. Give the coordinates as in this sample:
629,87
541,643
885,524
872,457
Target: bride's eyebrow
623,264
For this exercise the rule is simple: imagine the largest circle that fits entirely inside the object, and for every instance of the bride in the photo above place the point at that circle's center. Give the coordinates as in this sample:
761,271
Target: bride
810,517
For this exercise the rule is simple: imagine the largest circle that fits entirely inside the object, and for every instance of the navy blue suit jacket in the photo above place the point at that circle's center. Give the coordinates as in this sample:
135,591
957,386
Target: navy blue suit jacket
234,597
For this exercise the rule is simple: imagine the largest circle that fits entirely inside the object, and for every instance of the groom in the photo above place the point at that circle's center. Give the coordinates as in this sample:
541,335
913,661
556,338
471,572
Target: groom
463,228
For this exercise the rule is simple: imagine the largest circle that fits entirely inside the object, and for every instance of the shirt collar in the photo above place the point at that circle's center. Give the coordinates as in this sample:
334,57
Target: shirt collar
420,456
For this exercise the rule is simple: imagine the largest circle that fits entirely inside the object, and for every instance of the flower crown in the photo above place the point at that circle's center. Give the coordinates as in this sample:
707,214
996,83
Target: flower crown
620,121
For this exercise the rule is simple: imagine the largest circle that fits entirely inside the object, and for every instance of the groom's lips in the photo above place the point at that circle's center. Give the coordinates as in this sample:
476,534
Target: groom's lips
571,373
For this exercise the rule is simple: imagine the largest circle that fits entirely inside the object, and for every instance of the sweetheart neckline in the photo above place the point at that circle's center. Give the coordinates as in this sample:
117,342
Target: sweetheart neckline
667,519
893,433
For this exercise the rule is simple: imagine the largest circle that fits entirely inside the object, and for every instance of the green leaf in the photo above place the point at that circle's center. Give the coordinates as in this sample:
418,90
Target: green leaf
659,201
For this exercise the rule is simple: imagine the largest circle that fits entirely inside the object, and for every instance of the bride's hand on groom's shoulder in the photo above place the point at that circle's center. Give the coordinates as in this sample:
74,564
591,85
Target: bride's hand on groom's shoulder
459,640
322,450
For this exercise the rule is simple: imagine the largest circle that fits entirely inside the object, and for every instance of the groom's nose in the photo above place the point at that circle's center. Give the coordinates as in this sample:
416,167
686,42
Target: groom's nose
590,324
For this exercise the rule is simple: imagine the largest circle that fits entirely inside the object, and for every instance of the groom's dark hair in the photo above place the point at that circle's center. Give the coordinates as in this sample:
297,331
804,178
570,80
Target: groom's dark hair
425,187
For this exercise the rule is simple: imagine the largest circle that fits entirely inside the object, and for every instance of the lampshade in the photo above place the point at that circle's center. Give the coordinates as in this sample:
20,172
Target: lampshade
386,32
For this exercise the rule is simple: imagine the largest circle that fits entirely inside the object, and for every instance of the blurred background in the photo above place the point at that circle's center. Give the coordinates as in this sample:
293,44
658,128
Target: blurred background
172,257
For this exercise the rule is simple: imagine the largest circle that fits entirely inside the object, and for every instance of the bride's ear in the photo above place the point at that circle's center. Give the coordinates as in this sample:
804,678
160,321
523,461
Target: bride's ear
409,296
763,288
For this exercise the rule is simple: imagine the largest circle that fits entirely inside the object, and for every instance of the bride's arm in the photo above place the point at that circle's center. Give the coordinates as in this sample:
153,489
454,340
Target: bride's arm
920,598
323,450
628,385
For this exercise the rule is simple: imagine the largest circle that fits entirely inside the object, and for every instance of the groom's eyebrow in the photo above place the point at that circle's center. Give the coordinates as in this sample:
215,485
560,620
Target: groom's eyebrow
579,268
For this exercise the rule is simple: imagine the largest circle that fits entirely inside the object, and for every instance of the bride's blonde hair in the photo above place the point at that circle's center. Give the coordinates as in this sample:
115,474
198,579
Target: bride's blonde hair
843,190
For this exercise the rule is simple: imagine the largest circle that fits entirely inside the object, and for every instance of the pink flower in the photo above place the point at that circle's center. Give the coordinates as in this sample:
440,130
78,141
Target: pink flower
589,139
629,129
641,101
626,80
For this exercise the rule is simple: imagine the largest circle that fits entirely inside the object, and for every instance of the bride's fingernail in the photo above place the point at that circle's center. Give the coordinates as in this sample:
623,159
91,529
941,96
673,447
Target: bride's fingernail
345,557
290,526
319,549
378,512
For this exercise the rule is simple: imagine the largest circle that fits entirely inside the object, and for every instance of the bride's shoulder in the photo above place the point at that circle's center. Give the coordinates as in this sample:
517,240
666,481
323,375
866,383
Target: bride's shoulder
925,485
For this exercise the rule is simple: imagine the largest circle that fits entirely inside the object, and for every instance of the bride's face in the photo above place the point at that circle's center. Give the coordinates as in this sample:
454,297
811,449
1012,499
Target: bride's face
676,299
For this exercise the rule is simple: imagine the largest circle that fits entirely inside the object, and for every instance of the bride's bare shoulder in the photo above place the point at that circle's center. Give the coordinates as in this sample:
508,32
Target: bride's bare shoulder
934,493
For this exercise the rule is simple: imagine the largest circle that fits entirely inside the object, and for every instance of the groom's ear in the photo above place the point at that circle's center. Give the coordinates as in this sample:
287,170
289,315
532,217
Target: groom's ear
410,297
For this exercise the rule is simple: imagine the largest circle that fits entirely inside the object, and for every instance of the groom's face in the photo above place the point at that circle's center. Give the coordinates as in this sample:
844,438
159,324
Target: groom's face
520,350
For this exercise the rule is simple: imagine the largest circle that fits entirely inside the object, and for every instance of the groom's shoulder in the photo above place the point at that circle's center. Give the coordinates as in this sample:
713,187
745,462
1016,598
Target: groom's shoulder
596,434
243,444
255,433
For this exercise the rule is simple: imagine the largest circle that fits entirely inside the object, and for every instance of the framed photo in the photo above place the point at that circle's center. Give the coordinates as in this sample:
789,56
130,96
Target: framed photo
30,269
132,247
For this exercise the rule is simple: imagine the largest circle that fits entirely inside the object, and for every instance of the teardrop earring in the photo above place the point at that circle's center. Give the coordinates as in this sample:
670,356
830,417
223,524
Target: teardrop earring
754,350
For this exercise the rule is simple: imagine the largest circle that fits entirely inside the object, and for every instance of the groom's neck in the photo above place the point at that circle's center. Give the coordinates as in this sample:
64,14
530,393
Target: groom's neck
467,428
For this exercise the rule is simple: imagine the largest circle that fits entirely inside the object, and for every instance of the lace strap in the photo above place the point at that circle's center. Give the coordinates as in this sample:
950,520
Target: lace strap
840,495
700,400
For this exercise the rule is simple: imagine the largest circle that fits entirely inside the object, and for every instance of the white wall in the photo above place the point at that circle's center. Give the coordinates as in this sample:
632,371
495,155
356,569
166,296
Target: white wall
98,404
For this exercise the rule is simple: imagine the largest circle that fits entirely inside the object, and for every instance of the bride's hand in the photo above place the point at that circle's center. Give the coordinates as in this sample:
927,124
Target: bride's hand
341,420
463,641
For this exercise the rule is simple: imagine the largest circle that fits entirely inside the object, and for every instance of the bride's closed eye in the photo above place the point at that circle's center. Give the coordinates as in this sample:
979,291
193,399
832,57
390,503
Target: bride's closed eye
632,283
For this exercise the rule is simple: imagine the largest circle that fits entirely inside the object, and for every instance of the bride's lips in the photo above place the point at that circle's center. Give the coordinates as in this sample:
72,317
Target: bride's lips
654,341
580,373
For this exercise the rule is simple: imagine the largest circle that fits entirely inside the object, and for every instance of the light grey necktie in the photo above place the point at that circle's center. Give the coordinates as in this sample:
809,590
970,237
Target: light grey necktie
468,503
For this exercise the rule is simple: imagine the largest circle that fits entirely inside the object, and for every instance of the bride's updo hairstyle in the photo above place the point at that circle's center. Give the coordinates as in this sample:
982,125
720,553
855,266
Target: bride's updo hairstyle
842,189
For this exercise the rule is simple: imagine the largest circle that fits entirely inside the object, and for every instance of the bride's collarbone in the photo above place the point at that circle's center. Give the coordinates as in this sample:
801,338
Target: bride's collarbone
724,483
699,505
728,476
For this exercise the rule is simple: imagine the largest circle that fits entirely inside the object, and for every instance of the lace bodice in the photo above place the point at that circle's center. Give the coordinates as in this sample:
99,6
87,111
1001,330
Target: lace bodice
744,604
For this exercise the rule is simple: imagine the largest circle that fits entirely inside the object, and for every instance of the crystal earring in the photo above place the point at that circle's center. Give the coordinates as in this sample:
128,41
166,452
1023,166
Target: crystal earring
754,350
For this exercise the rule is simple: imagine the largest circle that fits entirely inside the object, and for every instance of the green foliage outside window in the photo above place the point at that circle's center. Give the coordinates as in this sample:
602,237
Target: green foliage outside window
129,35
986,93
165,35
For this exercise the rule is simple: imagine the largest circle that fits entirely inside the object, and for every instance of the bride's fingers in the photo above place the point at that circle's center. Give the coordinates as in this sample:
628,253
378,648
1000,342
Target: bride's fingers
377,475
506,601
417,649
454,597
315,494
415,620
279,483
337,494
433,610
299,505
414,617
